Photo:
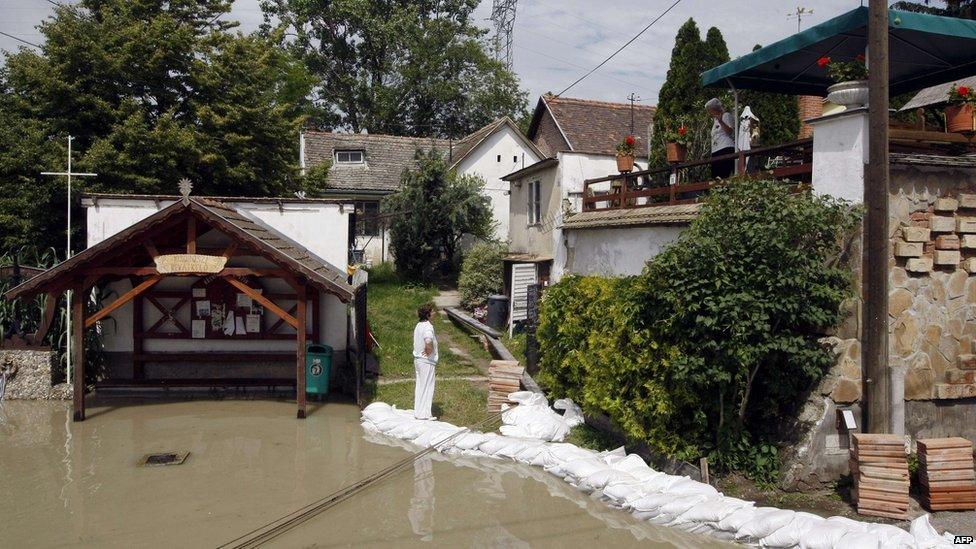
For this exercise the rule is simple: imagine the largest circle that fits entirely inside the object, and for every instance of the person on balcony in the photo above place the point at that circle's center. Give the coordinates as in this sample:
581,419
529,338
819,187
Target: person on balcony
722,138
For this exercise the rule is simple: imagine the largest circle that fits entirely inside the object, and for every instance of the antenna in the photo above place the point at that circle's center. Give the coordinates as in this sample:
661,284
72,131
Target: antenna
633,98
799,13
503,17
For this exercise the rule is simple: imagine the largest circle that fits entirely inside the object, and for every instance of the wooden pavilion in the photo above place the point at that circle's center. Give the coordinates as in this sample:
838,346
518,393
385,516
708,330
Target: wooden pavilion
164,245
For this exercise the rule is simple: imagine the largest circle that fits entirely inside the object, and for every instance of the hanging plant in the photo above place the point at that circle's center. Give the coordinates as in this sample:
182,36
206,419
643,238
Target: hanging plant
961,112
625,154
851,88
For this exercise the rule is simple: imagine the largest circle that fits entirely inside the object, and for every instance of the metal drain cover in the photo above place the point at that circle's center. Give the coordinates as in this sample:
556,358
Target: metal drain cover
164,458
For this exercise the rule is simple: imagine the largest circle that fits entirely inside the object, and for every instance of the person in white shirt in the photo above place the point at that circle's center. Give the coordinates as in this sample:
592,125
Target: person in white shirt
722,142
424,363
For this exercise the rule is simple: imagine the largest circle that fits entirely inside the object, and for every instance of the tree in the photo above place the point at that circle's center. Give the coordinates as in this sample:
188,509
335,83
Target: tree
432,210
682,98
153,91
952,8
400,67
779,114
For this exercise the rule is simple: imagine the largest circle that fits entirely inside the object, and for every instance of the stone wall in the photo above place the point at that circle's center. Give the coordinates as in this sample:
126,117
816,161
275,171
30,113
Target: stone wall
932,304
32,377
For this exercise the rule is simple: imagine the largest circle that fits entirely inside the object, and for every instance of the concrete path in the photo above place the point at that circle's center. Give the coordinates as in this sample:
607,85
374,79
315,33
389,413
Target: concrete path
447,298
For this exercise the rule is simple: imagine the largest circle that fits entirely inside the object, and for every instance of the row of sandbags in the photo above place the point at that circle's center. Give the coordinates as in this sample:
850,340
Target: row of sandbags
627,482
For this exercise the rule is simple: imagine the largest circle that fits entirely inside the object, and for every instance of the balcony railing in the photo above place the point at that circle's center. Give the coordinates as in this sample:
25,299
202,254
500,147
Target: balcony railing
684,183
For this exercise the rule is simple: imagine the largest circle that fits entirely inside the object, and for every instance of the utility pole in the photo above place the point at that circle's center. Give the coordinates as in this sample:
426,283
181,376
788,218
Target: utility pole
67,254
875,267
633,98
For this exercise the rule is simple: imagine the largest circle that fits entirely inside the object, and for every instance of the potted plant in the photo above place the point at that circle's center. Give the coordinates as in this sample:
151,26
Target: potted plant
851,77
961,114
677,141
625,154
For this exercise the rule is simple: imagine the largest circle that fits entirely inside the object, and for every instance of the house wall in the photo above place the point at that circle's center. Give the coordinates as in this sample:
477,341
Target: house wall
535,239
548,137
484,162
615,251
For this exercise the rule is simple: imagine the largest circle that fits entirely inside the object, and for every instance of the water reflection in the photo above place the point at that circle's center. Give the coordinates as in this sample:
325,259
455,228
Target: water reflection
421,513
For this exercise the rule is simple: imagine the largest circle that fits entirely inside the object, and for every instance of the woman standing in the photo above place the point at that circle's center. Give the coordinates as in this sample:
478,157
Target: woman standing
722,138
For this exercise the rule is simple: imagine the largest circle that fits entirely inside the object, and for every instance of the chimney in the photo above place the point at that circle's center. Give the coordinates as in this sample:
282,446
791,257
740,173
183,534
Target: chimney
811,106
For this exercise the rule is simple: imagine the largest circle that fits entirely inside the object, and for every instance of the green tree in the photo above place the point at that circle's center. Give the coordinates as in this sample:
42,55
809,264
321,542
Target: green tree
153,91
951,8
779,114
682,98
481,274
433,209
400,67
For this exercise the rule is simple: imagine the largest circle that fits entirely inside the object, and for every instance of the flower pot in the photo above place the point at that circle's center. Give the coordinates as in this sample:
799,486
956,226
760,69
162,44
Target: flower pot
960,118
852,94
677,152
625,163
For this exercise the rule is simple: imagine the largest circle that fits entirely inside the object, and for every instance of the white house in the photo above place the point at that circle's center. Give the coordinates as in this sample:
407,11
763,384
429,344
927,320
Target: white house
579,139
367,167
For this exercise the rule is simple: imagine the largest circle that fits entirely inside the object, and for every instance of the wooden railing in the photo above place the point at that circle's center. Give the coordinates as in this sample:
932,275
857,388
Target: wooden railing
670,185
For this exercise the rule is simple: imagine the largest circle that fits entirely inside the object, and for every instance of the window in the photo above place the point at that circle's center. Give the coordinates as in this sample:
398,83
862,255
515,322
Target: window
367,223
515,159
349,157
499,158
535,202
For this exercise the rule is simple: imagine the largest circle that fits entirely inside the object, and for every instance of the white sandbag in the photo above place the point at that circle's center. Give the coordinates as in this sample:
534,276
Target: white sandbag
662,483
470,441
687,486
651,503
436,437
530,453
572,414
675,507
388,424
600,479
791,534
493,446
892,537
408,430
528,398
765,524
825,536
853,525
620,493
582,468
513,450
925,535
738,518
713,509
860,540
632,464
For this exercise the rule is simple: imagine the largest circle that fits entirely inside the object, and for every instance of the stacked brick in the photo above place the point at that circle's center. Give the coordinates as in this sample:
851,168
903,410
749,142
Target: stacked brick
946,474
938,238
879,467
504,377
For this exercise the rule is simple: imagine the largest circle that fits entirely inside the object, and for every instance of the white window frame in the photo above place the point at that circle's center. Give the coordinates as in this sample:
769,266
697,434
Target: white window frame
349,152
534,204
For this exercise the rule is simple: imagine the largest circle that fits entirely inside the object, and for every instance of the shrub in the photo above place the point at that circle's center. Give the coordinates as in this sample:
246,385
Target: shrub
727,316
481,274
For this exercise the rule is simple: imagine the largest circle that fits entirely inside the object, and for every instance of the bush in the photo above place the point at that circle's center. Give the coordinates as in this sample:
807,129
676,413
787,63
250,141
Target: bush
482,274
727,316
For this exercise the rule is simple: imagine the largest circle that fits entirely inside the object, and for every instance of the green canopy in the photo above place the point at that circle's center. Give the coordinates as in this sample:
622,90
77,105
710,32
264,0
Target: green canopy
924,50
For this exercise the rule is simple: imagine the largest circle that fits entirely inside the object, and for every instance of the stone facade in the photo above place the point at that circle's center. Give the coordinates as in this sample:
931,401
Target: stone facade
31,379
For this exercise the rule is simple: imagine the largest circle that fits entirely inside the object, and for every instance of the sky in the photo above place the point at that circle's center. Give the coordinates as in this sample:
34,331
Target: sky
557,41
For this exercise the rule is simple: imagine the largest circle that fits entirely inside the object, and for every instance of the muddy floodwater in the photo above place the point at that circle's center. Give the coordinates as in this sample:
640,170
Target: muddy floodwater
81,484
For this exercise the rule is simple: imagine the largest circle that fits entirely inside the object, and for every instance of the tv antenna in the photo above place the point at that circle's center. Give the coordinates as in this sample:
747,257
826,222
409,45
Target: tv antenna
799,14
633,98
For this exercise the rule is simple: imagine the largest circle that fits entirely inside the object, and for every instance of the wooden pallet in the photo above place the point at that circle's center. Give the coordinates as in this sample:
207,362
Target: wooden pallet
946,474
504,377
879,467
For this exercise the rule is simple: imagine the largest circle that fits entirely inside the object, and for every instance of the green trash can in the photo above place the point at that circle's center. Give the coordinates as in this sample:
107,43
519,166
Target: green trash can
318,367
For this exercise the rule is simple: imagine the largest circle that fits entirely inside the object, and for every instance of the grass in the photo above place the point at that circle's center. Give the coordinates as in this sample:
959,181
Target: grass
585,436
515,345
455,401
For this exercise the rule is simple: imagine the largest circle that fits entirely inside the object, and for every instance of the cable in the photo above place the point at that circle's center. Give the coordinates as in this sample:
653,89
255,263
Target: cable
621,48
20,40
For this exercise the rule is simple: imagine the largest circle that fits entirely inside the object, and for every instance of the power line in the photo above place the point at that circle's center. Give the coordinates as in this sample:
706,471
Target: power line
20,40
621,48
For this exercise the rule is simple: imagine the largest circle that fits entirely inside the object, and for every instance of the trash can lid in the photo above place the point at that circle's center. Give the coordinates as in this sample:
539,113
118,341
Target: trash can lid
498,297
317,348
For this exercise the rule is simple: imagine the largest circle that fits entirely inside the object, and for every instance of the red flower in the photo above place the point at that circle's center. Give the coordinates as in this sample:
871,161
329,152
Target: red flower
823,61
682,130
963,90
630,140
860,57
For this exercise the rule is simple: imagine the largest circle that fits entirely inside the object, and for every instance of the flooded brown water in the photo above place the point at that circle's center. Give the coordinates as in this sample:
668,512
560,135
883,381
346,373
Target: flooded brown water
71,484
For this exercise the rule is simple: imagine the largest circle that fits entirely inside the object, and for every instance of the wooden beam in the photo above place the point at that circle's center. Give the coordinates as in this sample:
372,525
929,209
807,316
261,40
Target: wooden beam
78,350
267,303
151,271
122,300
150,248
47,319
300,355
876,238
191,235
229,252
138,338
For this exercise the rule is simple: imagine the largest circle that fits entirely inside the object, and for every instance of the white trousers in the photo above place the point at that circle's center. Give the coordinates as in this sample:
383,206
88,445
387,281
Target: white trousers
423,394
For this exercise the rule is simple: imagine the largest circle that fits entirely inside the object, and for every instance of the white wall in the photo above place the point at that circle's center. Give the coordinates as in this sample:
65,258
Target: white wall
618,251
484,161
840,152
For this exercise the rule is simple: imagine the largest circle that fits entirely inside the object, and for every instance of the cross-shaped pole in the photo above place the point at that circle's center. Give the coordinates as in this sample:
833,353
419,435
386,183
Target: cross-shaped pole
67,255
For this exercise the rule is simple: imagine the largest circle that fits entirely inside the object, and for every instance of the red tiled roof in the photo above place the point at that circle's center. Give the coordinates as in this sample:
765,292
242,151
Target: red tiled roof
594,126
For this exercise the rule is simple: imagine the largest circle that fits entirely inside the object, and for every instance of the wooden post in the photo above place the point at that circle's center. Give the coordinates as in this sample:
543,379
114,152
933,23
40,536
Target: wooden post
78,350
191,235
300,354
138,366
875,270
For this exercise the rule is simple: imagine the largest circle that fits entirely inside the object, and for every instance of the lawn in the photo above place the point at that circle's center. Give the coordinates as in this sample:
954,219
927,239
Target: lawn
455,401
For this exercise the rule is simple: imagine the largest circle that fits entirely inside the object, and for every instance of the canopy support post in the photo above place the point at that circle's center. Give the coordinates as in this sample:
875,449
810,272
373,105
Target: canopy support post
735,125
300,354
875,268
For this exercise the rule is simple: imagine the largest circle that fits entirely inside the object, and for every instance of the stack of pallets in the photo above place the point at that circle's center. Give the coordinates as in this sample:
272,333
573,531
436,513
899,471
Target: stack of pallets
879,467
946,475
504,377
